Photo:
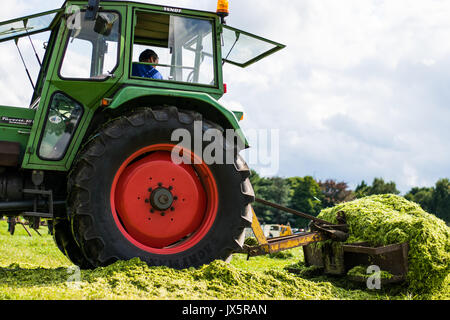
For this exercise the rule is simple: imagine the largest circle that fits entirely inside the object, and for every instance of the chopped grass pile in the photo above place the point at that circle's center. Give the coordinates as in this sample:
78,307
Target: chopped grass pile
135,280
361,271
33,268
390,219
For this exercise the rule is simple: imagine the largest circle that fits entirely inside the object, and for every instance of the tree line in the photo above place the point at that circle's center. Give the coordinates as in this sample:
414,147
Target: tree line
307,195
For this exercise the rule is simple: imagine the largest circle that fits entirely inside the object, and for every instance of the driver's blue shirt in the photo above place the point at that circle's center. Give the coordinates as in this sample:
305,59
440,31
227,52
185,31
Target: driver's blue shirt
146,71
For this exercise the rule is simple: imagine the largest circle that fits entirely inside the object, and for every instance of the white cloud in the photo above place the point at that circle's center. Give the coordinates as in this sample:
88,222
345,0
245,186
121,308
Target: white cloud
357,91
361,91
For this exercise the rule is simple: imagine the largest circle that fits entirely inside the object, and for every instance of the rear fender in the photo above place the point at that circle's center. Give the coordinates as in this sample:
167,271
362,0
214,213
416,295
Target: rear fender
203,103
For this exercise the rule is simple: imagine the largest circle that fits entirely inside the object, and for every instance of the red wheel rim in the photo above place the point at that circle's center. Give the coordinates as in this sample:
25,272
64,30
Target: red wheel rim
160,206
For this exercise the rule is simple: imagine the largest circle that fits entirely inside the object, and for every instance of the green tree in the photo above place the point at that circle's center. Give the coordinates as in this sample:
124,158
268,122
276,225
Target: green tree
422,196
306,197
379,186
441,200
362,190
275,190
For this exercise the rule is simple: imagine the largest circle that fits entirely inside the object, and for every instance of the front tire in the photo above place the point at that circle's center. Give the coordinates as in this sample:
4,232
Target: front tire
130,200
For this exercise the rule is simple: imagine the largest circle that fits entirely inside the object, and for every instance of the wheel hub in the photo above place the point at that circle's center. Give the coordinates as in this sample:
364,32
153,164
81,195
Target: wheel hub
161,199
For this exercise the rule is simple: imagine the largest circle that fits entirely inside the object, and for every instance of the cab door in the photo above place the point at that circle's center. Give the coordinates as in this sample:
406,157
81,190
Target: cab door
85,68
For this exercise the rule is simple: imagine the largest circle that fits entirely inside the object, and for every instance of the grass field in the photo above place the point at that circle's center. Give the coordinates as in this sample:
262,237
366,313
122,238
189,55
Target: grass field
33,268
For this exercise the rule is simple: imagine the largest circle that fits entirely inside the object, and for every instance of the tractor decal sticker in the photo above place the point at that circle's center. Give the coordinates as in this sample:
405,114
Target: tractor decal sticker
174,10
16,121
55,120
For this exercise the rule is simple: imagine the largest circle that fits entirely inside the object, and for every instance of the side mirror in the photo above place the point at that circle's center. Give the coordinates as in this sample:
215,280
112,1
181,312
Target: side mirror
104,24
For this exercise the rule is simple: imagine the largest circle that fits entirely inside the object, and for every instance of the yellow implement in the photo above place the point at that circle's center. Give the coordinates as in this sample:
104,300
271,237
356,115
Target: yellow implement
273,245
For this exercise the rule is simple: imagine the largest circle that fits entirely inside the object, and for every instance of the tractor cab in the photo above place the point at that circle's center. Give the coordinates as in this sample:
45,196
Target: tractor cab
92,41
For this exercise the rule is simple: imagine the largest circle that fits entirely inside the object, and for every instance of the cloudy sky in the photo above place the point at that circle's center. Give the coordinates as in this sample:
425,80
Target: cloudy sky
361,91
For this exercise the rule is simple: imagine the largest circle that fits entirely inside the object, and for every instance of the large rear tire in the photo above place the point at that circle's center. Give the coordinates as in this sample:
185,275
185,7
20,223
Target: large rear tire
63,237
128,199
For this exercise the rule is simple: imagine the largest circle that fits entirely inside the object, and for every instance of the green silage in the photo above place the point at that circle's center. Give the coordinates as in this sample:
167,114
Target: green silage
361,271
390,219
33,268
219,280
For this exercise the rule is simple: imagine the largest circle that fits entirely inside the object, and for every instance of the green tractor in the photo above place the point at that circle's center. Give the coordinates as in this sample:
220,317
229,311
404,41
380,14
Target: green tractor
94,152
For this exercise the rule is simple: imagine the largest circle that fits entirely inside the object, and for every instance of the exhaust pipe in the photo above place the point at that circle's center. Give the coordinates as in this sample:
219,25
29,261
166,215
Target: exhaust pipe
18,208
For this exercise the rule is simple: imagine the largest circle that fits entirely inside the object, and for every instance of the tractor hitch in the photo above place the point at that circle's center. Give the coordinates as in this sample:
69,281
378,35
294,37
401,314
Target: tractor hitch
337,232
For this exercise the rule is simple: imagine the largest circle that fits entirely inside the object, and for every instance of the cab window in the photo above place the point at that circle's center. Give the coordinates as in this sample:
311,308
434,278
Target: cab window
93,48
62,120
184,46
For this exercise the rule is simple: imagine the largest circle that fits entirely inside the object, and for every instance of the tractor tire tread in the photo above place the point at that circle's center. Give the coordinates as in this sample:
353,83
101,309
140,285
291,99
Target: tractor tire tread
84,170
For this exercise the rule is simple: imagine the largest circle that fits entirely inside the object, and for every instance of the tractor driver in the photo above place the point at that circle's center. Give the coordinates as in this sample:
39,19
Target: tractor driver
144,70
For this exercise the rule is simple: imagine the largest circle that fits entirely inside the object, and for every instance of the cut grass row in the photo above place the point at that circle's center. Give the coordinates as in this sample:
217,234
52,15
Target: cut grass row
32,268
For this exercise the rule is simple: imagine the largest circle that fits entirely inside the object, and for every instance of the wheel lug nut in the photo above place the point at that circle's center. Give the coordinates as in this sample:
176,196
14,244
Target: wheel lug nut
163,214
172,209
170,188
160,184
150,189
